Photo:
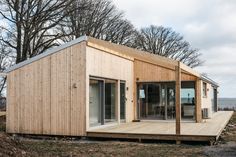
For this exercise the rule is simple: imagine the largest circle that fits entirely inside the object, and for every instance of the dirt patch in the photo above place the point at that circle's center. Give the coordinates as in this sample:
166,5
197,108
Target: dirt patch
229,133
110,148
10,147
226,146
2,123
228,149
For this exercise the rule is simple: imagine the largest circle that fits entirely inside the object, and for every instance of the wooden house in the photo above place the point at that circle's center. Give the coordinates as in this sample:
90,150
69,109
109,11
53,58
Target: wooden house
89,84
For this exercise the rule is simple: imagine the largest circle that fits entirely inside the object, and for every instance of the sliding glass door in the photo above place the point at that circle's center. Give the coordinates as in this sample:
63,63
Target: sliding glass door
150,106
156,101
103,98
95,102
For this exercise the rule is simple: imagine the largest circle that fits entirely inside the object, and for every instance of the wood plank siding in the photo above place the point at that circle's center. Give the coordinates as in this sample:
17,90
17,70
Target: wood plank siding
48,95
148,72
103,64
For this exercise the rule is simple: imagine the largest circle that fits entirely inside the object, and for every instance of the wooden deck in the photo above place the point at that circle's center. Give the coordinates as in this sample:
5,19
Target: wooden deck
208,130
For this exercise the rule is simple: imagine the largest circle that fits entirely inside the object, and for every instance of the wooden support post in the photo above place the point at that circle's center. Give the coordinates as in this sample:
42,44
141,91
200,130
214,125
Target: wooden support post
135,101
146,104
178,98
198,112
135,94
178,142
118,102
139,140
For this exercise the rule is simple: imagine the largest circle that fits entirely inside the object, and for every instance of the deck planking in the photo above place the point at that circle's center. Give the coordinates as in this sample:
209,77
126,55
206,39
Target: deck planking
207,130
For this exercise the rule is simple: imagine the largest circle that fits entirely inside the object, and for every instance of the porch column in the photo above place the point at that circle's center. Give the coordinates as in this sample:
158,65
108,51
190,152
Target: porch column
118,102
178,98
198,112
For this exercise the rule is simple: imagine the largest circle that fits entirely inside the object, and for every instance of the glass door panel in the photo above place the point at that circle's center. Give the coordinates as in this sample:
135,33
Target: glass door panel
149,101
187,100
170,102
103,101
110,101
95,102
163,101
156,100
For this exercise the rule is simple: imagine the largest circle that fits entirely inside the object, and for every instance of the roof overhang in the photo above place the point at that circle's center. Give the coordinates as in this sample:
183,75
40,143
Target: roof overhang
47,53
207,79
189,70
96,42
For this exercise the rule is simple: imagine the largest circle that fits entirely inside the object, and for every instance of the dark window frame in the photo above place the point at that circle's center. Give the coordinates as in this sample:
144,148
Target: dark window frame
204,89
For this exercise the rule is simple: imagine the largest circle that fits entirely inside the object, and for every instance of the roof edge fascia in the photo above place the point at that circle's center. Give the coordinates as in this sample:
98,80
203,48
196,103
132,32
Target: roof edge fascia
47,53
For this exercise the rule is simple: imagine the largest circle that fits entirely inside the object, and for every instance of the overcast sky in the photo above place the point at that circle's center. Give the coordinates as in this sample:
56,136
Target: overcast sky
209,25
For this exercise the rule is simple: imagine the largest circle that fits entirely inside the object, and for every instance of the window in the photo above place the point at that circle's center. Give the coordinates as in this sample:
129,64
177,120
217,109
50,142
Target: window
122,101
204,89
188,100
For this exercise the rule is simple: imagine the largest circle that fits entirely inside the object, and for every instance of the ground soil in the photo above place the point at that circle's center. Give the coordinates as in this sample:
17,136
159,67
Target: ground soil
23,146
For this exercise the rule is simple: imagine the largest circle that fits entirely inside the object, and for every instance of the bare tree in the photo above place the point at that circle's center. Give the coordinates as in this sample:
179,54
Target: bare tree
6,60
99,19
166,42
33,26
29,25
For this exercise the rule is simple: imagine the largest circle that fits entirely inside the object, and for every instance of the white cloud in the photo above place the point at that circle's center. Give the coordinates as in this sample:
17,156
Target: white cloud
208,25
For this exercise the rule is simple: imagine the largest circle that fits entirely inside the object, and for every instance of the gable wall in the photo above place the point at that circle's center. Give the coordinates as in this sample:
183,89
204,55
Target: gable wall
41,98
